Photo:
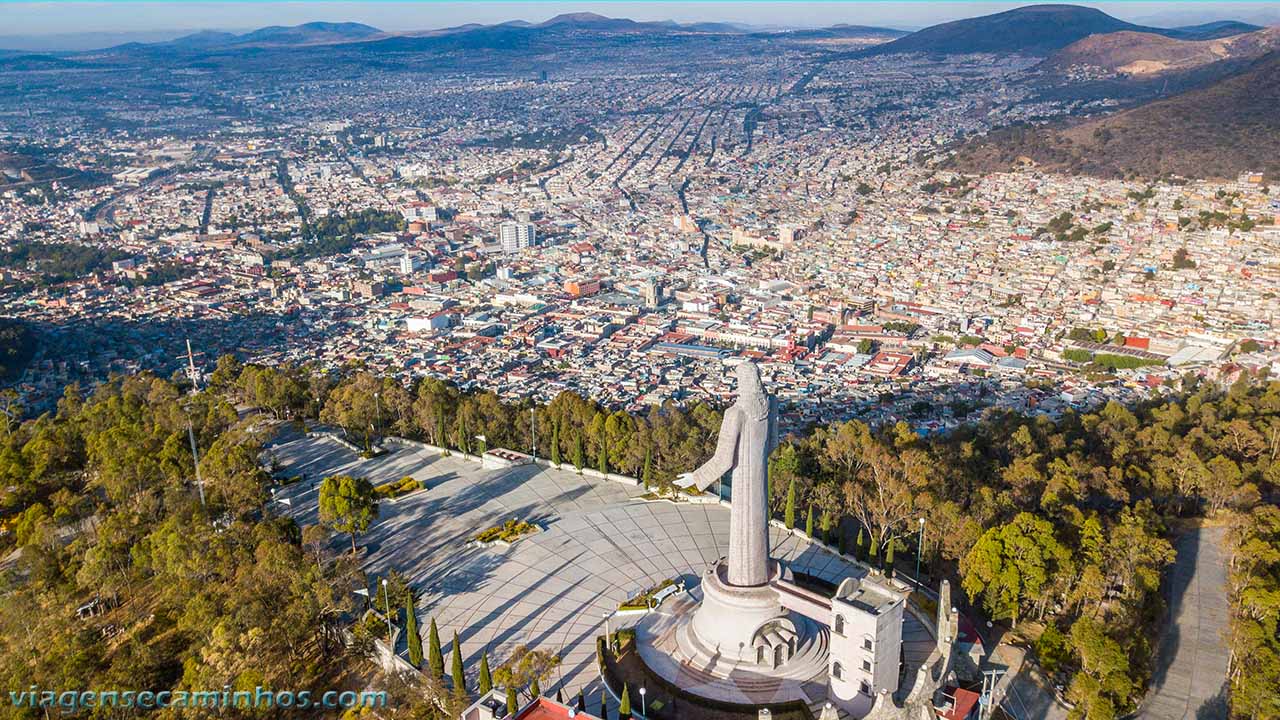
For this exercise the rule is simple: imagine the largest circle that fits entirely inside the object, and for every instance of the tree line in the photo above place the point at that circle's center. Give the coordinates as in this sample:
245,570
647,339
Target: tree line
1056,526
1059,526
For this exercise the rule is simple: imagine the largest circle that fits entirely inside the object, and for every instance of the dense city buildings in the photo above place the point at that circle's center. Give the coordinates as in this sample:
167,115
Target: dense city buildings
628,234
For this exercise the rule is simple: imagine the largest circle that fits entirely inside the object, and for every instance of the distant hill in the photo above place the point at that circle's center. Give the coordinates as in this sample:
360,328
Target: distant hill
846,31
1215,30
313,33
34,61
1217,131
1139,54
1031,30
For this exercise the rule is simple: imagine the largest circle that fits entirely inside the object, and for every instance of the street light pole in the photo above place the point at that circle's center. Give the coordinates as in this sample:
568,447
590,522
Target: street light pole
195,460
919,551
378,404
644,709
533,431
387,601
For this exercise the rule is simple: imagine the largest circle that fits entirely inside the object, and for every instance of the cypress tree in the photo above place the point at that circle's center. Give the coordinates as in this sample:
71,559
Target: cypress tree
555,444
624,703
843,540
459,677
559,696
435,658
486,680
582,703
873,554
411,631
441,440
808,523
789,515
535,690
464,443
825,525
579,455
647,475
862,545
888,559
604,705
512,705
602,459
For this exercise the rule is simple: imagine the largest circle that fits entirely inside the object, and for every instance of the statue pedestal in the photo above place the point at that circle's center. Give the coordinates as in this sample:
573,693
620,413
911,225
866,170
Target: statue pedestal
736,645
726,629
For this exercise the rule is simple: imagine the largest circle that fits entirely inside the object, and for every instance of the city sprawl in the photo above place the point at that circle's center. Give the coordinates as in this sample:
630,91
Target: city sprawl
616,222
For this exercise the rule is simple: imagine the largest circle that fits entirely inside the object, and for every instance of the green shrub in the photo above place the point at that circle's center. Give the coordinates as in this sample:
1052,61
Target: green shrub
641,601
510,531
403,486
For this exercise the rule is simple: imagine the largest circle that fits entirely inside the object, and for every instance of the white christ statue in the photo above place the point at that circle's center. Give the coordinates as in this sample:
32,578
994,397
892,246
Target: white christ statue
748,434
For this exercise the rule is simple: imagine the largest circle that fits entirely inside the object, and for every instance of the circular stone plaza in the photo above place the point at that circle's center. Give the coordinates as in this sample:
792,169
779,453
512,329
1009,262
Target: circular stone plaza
601,544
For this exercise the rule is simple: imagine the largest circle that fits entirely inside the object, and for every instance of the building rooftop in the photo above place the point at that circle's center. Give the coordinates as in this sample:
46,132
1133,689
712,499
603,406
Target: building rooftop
868,594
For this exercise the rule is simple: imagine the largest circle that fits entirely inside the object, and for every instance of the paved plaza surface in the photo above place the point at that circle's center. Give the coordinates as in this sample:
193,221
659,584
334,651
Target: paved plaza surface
1191,666
550,591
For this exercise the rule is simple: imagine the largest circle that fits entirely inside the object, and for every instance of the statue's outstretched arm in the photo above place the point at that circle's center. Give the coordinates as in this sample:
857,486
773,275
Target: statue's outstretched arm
726,456
773,424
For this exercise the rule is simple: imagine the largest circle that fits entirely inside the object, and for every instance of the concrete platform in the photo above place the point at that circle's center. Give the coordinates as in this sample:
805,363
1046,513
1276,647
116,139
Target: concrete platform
551,590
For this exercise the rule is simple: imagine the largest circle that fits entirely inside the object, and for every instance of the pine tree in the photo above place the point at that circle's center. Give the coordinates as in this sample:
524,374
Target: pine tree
435,658
602,459
888,560
579,455
459,677
624,703
647,475
486,680
535,690
789,515
555,444
808,523
512,704
411,631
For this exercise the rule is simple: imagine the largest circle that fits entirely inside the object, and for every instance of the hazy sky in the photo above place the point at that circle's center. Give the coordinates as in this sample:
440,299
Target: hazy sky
53,18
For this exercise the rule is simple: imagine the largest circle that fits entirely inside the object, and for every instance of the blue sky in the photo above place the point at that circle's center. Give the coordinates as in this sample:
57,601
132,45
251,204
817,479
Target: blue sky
128,16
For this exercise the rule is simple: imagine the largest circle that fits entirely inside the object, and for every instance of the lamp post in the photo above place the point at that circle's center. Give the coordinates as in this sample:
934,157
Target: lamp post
195,458
387,601
377,402
919,551
644,709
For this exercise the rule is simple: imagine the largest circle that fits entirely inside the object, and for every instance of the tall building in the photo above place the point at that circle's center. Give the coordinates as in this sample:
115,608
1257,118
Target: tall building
516,236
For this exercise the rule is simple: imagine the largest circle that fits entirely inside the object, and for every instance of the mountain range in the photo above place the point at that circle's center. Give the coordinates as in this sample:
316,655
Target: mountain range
1033,30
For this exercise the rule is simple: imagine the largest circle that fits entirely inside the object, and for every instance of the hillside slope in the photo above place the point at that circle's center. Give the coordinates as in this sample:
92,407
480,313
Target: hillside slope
1215,131
1138,54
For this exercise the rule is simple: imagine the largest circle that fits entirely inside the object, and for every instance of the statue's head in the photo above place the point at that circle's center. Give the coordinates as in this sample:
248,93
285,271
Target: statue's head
751,395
